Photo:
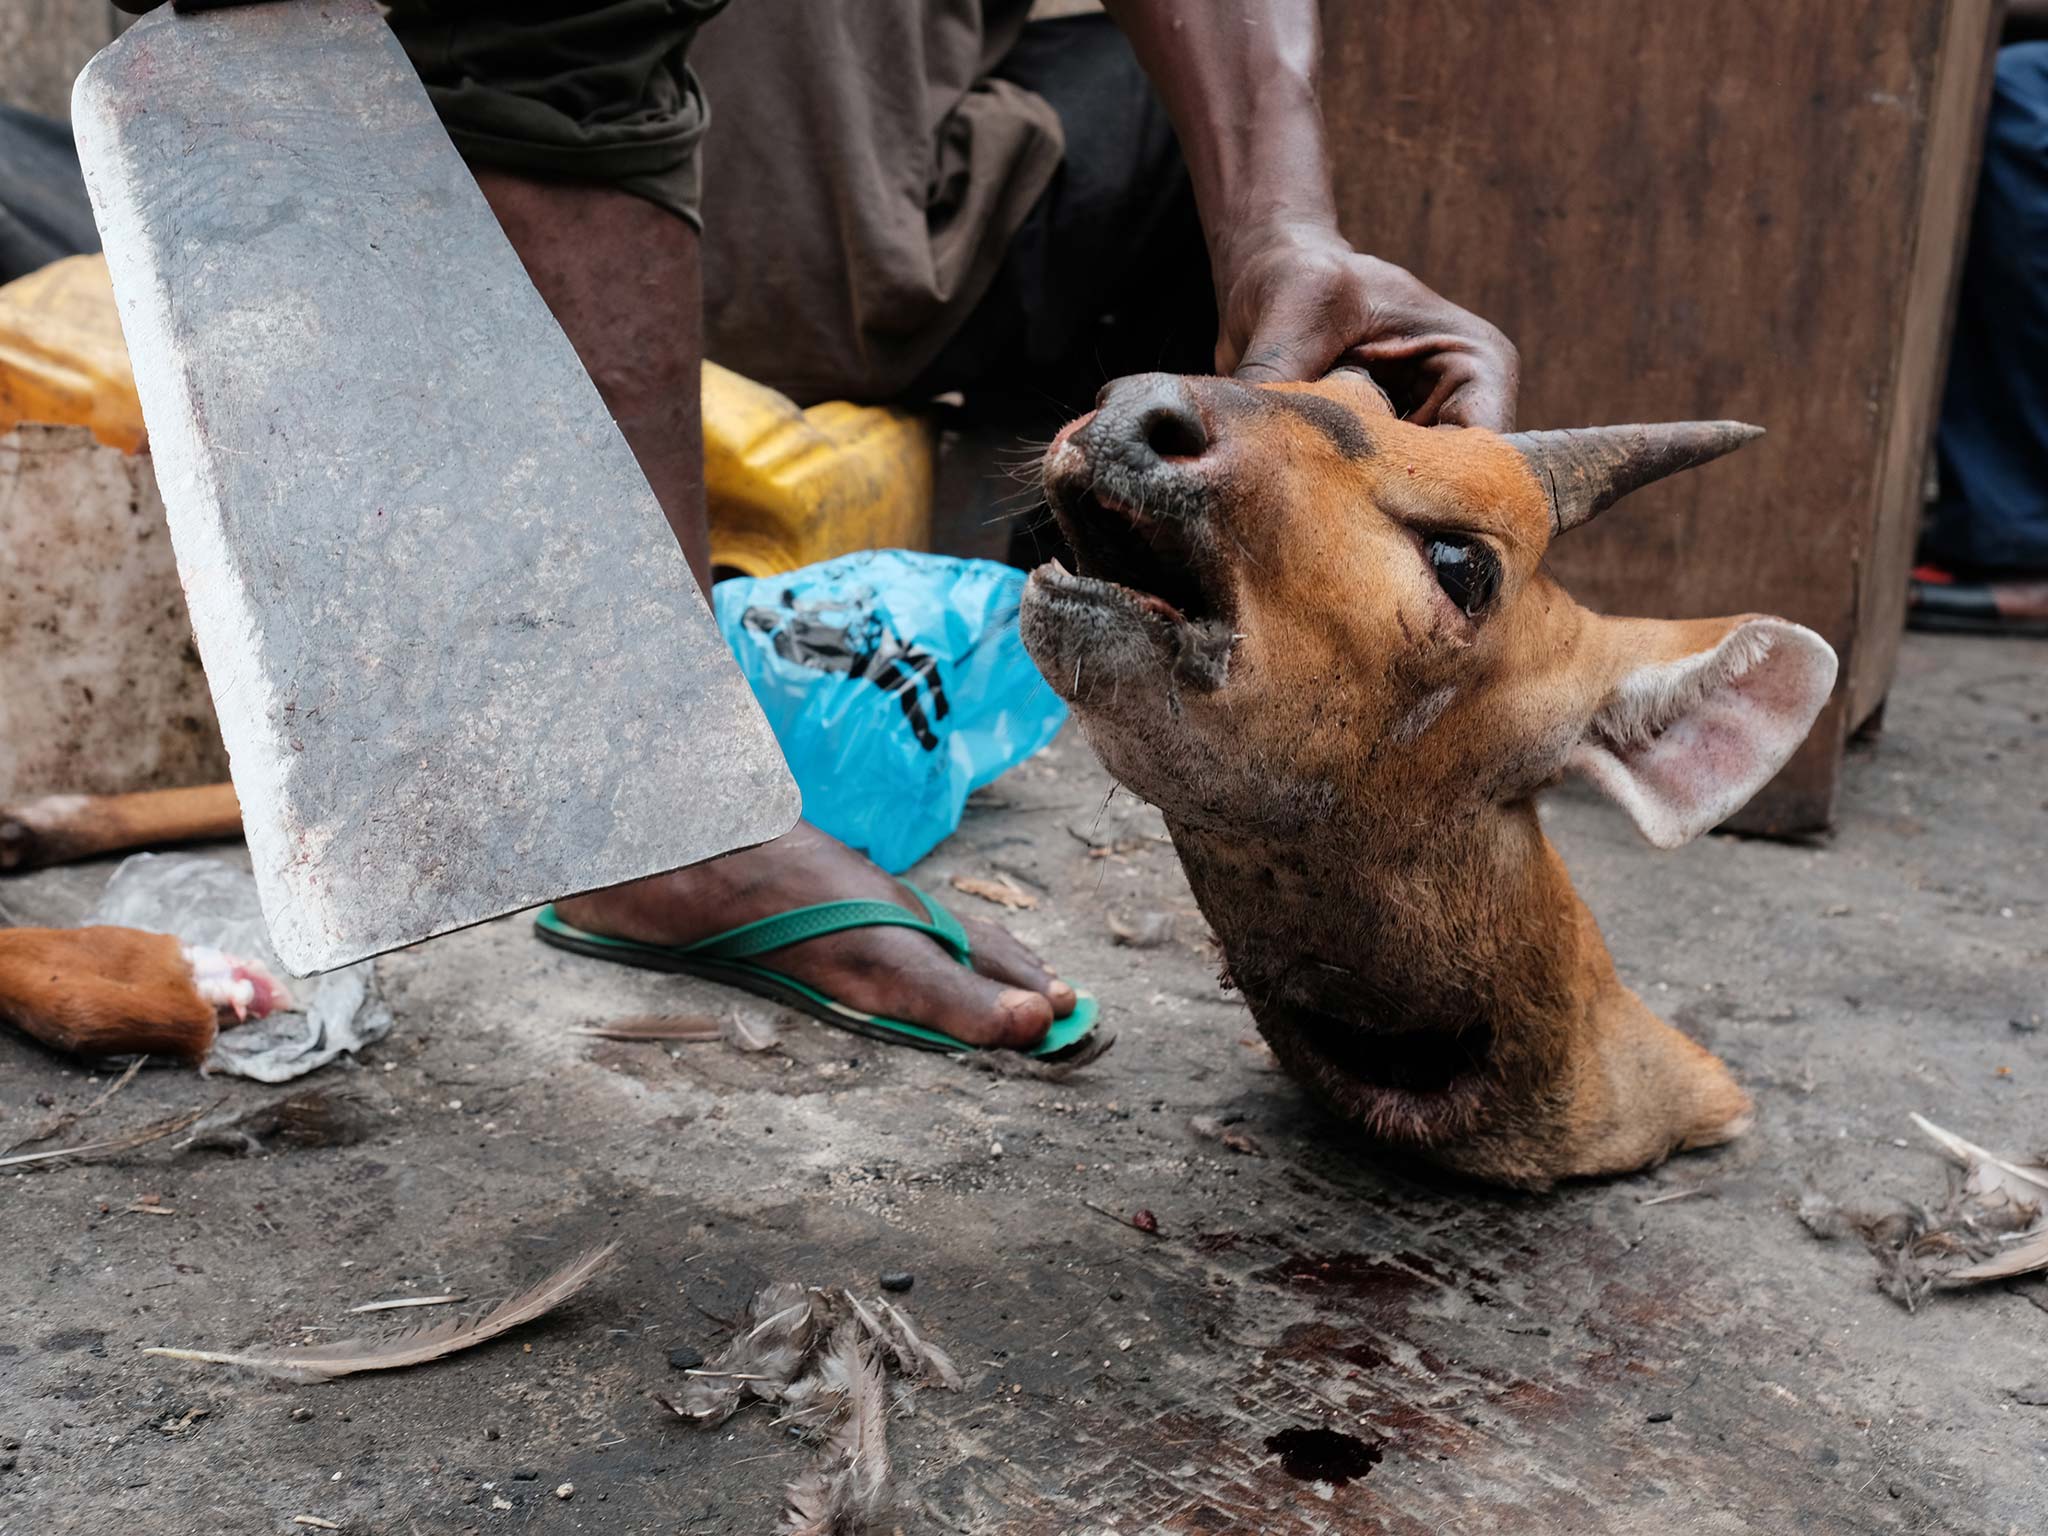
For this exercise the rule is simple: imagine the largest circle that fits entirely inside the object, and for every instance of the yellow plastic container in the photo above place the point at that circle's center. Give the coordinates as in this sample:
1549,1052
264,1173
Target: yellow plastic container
62,360
788,487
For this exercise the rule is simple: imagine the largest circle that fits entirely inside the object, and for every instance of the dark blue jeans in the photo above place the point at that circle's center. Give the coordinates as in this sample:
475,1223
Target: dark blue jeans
1993,439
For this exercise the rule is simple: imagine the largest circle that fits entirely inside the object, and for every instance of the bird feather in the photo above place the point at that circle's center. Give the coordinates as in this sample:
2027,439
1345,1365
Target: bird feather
844,1492
759,1361
325,1361
654,1026
128,1141
2022,1258
751,1035
933,1364
1990,1175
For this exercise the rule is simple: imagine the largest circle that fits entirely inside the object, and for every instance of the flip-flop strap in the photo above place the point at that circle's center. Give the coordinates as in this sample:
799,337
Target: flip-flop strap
952,933
815,922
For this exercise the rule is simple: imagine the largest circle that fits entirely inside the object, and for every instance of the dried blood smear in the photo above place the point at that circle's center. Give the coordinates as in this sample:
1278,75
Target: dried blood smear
238,989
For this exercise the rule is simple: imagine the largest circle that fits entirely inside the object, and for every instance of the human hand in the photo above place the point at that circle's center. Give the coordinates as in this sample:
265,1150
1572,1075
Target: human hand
1297,303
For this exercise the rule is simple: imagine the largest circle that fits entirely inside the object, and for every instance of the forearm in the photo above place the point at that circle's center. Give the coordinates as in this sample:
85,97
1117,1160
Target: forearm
1239,81
1293,299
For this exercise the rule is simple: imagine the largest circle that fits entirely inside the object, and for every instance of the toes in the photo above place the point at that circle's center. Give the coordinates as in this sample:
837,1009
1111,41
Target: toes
1024,1018
979,1010
1002,956
899,975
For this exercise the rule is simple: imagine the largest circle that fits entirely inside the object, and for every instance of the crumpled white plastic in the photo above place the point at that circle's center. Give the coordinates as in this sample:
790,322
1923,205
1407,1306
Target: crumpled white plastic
203,901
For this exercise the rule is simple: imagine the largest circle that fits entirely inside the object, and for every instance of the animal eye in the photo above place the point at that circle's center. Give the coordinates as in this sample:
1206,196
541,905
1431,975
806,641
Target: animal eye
1467,570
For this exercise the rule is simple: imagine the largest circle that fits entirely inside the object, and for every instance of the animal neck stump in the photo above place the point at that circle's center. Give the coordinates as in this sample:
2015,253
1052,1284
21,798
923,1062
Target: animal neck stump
1321,641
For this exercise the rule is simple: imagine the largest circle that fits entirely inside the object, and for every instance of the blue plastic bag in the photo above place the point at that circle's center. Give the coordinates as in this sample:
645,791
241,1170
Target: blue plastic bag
897,684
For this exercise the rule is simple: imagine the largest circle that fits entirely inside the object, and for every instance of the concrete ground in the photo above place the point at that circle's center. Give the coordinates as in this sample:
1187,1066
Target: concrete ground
1586,1362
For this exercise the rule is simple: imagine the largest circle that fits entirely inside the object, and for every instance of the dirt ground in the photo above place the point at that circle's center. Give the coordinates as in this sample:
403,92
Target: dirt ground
1587,1362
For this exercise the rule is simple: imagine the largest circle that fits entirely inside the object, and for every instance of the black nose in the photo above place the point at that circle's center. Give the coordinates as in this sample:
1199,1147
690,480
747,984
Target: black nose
1147,419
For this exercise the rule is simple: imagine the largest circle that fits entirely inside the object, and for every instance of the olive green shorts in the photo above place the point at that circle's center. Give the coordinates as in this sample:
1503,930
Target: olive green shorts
582,90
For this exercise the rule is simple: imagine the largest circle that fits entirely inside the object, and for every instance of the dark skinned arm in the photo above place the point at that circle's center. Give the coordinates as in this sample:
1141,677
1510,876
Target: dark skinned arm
1294,300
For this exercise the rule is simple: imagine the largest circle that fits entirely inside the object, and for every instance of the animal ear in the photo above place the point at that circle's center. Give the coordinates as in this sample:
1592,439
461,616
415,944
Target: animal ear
1699,716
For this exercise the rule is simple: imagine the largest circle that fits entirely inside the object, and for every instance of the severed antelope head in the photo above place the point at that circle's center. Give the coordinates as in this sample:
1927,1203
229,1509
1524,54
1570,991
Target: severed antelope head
1321,640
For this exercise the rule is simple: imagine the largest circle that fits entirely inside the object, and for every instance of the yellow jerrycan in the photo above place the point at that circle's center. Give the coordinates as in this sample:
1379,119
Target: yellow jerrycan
62,360
787,487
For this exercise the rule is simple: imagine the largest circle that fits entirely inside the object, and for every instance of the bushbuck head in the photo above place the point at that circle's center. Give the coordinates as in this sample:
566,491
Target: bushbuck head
1321,640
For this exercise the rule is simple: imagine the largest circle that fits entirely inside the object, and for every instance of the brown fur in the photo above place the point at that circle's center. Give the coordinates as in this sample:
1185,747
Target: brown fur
61,829
103,991
1354,805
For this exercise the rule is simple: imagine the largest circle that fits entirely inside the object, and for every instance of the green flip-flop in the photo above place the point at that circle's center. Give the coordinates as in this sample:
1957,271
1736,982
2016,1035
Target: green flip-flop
729,958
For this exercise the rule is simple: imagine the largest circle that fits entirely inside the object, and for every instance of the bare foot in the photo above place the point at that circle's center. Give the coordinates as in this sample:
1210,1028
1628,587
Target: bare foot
1009,998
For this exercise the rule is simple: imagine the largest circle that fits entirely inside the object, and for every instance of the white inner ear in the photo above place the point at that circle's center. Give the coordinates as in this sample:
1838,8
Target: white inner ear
1682,745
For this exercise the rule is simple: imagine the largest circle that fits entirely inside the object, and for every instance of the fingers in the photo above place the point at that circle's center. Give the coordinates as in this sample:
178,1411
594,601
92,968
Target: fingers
1454,369
1446,378
1478,405
1293,343
1275,364
1296,322
1485,395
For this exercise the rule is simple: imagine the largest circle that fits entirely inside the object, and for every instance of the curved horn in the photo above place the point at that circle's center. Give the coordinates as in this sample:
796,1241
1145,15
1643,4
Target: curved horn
1585,470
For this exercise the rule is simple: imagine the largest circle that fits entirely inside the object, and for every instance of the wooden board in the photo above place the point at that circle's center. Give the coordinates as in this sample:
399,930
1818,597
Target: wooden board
1948,184
1734,208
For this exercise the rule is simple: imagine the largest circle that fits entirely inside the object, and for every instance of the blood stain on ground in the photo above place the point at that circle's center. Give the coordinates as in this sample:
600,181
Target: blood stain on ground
1323,1455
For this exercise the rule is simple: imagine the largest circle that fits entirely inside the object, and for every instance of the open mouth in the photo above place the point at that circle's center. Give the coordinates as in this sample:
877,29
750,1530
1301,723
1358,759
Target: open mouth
1151,558
1146,562
1419,1086
1153,562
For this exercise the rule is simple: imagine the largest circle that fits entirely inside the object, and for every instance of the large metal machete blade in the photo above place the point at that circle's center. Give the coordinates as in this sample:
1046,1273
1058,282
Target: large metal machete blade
458,659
